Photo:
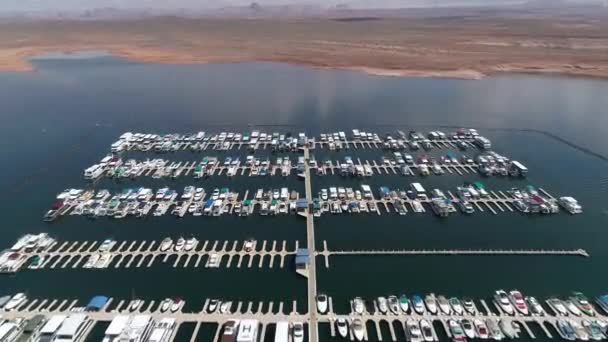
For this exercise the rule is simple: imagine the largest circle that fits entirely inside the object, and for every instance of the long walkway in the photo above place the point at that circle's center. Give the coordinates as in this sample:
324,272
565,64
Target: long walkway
313,328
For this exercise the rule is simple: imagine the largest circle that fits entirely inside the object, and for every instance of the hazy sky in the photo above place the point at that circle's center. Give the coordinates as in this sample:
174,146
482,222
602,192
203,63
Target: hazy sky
79,5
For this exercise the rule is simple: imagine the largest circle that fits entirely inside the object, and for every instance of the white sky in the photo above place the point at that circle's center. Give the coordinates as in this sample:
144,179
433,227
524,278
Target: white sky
79,5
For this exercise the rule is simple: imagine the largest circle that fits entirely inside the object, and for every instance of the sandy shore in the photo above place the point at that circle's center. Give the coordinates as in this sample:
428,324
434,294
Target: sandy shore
413,47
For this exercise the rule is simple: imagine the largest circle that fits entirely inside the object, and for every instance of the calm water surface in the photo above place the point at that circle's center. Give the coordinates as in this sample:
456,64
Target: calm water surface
63,117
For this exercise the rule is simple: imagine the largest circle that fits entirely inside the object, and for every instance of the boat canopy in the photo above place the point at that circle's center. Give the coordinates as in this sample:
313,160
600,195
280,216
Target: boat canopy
97,303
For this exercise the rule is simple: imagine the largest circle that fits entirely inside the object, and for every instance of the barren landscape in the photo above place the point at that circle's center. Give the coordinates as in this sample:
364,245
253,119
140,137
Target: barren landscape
466,44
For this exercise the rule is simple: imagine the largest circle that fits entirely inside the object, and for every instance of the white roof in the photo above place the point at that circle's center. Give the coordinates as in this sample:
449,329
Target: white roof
417,187
282,332
52,325
71,324
6,329
117,325
139,321
157,335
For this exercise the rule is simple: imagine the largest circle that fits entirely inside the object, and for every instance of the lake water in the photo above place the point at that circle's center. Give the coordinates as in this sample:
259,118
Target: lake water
63,117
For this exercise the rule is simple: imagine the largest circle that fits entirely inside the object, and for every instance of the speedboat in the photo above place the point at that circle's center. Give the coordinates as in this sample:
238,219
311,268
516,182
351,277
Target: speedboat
393,304
594,330
579,330
507,328
566,330
181,242
358,329
382,305
558,306
493,329
166,244
165,305
358,306
456,306
177,303
456,330
582,303
502,299
431,303
535,308
518,302
572,308
322,303
190,243
468,327
481,329
427,330
413,328
444,305
213,303
469,306
225,307
135,304
15,301
298,332
418,304
342,325
404,303
602,301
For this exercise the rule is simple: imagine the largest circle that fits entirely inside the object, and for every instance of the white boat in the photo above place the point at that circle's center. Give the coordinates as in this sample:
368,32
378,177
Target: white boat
414,331
382,305
444,305
342,326
517,299
181,242
322,303
15,301
431,303
558,306
91,261
297,332
536,309
177,303
393,304
225,307
213,304
570,204
572,308
481,329
357,305
427,330
358,329
502,299
190,243
165,244
165,305
468,327
507,328
135,304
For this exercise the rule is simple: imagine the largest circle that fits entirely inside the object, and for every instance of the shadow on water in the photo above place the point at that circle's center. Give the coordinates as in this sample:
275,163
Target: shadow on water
206,332
184,333
98,332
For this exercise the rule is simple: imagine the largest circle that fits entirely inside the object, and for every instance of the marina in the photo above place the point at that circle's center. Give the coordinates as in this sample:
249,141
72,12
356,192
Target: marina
463,139
417,316
368,253
42,252
195,201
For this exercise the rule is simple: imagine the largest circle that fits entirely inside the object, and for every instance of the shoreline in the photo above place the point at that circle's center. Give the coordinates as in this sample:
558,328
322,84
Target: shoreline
20,61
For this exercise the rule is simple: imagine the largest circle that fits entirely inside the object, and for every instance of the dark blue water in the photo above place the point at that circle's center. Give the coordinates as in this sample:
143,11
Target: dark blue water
63,117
